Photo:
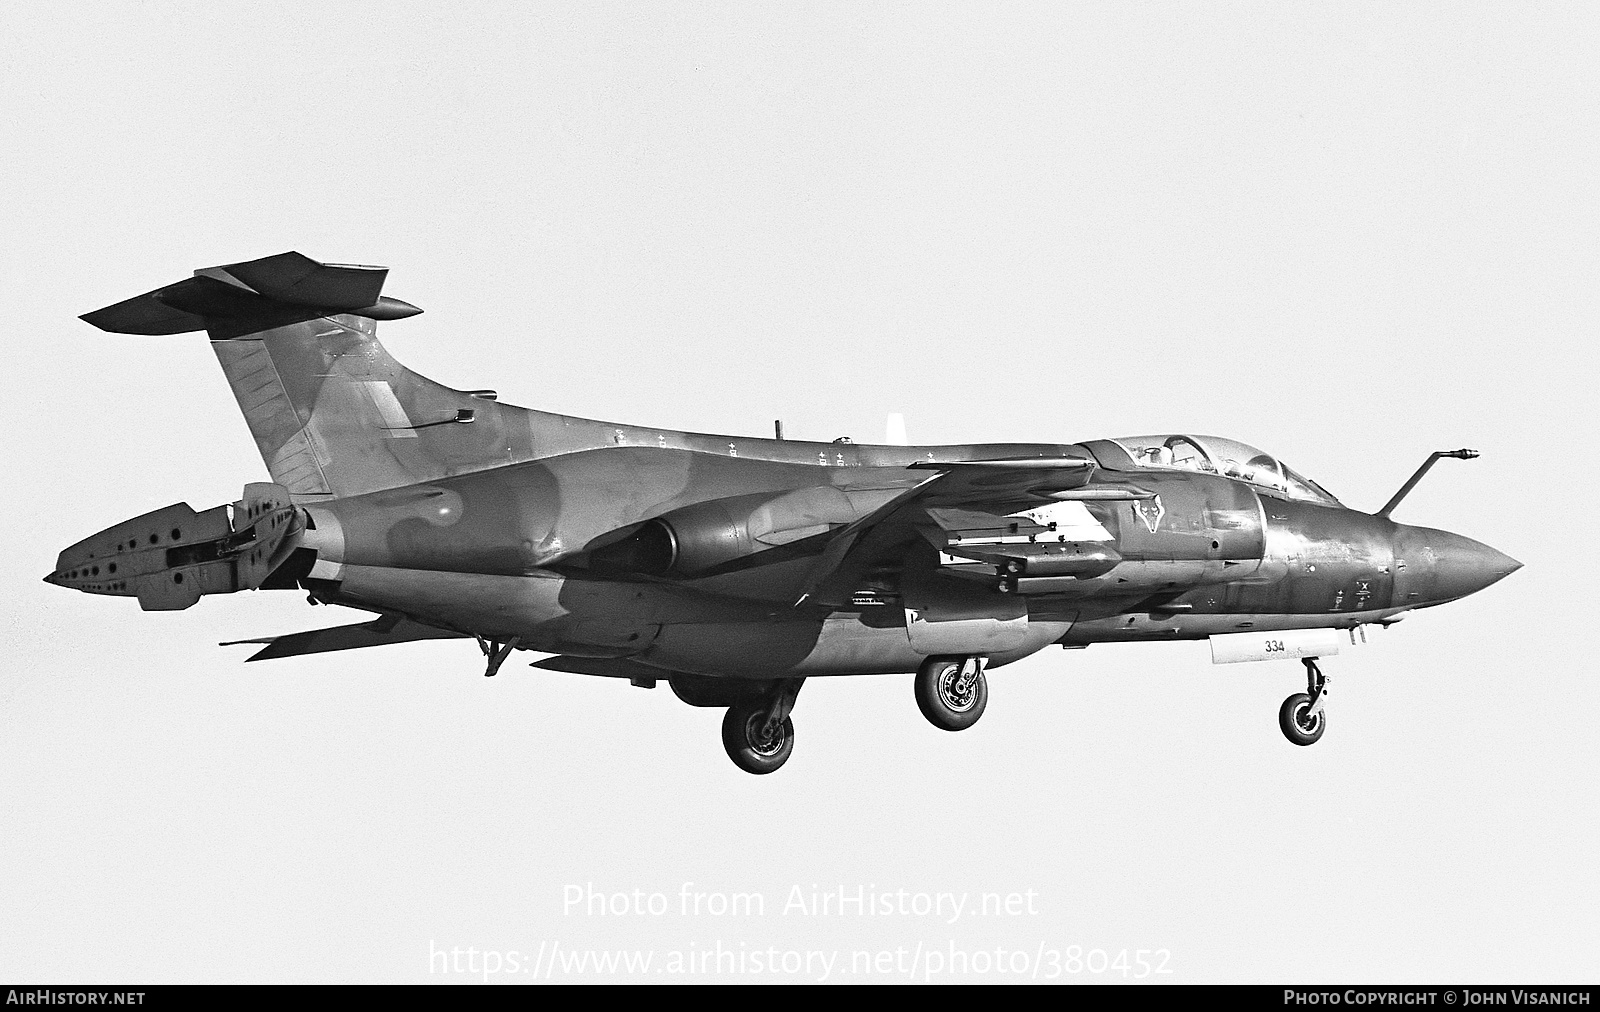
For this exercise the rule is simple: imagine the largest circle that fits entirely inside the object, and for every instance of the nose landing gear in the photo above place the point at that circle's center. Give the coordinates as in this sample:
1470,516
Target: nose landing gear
1302,716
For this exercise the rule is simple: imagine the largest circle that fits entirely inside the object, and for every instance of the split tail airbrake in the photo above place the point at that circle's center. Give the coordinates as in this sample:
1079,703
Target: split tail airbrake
171,556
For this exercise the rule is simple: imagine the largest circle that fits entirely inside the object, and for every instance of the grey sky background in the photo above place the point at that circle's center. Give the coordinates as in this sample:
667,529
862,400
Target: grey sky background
1350,235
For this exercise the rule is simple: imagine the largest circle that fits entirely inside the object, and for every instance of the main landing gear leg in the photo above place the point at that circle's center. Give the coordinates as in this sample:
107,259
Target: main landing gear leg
1302,715
758,735
496,652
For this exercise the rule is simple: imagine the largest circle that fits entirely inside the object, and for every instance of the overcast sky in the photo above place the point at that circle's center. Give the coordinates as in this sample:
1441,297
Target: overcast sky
1348,234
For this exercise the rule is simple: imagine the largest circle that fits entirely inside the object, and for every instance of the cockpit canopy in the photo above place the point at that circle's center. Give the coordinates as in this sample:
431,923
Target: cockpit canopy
1227,457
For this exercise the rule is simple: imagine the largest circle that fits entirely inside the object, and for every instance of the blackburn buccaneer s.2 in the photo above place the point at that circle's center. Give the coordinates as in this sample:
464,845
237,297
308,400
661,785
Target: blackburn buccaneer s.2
734,568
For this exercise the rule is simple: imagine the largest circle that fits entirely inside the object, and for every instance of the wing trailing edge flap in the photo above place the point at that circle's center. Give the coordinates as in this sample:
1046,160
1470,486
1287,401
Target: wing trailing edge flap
380,631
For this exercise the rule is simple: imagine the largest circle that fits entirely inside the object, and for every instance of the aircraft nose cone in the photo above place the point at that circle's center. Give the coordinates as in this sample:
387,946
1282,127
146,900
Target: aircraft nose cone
1464,566
1445,566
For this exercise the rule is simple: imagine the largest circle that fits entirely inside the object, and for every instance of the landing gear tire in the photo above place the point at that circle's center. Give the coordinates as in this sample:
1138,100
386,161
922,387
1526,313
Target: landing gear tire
952,691
751,747
1300,725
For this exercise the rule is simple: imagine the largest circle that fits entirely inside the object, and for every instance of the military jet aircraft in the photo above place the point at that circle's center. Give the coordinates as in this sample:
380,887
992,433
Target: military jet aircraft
734,568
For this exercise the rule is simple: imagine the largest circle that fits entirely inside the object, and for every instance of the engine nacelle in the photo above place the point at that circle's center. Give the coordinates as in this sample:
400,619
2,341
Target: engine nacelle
695,540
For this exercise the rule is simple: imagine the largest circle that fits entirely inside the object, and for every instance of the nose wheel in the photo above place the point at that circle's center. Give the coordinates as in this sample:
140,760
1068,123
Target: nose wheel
1302,716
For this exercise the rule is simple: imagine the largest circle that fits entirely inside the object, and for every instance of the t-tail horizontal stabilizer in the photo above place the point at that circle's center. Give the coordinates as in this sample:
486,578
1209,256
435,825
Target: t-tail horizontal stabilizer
170,557
253,296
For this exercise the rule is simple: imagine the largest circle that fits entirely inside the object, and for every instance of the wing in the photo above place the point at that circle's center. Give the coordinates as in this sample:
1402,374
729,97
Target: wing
959,497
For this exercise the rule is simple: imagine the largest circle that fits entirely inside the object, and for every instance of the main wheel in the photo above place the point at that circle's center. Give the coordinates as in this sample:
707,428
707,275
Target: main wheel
1298,725
949,701
747,747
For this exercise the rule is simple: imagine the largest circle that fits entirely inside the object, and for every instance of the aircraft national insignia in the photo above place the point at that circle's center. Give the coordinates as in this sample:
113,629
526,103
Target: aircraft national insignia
1150,511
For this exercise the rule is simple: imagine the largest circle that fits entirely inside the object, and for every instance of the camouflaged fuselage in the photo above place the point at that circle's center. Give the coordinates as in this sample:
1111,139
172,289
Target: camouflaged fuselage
719,555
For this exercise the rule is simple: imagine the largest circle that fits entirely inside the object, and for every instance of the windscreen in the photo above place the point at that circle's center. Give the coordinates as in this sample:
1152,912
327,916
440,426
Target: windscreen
1227,457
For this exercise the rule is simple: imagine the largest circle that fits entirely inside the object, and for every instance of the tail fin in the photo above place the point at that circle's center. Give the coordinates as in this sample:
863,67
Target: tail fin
331,412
